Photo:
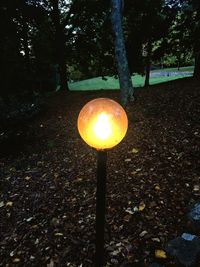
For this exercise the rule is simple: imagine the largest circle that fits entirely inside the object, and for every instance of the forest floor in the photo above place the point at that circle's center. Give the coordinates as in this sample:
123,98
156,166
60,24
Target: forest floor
47,201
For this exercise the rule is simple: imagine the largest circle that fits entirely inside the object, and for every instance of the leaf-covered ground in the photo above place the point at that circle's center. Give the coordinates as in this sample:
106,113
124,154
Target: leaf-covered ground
47,201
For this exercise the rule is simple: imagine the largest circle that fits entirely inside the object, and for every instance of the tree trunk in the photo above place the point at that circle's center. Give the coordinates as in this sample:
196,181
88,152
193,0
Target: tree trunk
60,45
178,62
147,75
126,86
148,64
197,66
161,63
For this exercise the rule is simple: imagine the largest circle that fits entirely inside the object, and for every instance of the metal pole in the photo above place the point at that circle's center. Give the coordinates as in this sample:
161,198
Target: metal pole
100,206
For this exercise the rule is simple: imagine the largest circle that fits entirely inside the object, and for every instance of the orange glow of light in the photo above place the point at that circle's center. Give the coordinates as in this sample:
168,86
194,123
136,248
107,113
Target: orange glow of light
102,123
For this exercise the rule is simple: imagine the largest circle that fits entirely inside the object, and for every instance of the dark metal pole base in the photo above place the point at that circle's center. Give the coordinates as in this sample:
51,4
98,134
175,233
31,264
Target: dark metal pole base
100,207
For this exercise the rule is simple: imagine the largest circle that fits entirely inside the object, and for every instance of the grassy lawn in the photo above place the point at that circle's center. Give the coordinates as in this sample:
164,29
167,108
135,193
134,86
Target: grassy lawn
188,68
112,83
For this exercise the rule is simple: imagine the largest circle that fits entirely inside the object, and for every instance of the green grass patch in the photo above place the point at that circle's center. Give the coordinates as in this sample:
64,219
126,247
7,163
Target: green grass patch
188,68
112,84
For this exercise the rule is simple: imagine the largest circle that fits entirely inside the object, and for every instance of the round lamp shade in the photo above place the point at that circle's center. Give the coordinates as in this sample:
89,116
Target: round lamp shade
102,123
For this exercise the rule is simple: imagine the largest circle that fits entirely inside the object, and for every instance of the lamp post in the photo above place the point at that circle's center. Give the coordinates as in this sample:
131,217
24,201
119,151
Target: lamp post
102,124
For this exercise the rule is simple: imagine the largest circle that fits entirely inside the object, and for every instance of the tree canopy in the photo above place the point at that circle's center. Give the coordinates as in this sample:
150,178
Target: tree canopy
46,43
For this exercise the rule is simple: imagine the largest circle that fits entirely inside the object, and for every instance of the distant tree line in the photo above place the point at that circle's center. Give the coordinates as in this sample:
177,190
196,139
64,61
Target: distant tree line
46,43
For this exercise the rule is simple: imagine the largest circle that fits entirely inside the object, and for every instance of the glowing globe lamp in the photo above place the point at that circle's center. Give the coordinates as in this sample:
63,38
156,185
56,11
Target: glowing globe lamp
102,123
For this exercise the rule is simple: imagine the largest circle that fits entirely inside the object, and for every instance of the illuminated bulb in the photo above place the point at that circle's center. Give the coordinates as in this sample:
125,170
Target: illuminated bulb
102,123
102,128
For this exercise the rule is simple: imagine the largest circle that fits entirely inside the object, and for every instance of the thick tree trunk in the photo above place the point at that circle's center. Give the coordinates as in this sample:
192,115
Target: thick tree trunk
197,66
147,75
126,86
60,45
148,64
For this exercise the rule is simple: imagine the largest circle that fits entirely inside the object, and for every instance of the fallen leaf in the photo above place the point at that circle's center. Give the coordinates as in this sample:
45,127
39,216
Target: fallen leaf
9,204
16,260
29,219
134,151
129,211
115,252
1,204
127,160
142,206
196,188
58,234
135,209
36,241
157,187
161,254
143,233
12,253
